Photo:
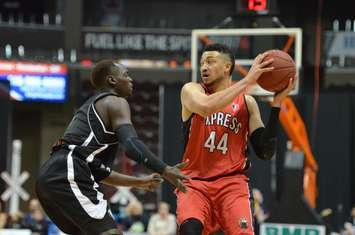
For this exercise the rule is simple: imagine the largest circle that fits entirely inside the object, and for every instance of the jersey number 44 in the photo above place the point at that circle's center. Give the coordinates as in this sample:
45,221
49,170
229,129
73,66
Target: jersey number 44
214,144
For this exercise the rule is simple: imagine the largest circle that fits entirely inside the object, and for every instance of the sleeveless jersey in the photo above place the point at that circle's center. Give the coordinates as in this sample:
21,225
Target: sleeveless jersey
88,136
216,145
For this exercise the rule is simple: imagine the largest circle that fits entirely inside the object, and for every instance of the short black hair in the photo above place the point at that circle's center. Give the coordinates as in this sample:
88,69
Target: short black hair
101,69
224,50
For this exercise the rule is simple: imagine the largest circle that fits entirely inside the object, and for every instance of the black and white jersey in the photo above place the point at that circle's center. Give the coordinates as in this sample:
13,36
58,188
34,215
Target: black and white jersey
67,184
89,139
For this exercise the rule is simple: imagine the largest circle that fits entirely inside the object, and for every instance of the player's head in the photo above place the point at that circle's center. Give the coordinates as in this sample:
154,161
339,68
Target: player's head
217,62
113,75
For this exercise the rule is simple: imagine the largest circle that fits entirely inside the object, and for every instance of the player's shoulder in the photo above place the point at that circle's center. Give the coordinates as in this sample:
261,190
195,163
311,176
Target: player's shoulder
114,102
113,98
192,86
250,103
250,100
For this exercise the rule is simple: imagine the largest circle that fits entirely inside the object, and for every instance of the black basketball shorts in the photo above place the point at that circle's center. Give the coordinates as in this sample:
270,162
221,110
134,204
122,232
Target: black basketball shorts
70,196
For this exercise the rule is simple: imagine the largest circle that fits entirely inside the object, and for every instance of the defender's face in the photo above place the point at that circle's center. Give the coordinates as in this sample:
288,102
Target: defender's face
124,85
213,67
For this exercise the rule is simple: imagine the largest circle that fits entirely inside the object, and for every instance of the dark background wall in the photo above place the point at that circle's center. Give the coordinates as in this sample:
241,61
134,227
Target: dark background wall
5,120
171,134
27,126
160,13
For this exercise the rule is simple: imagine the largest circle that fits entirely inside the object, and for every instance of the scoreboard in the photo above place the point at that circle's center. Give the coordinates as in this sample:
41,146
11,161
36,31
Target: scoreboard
260,7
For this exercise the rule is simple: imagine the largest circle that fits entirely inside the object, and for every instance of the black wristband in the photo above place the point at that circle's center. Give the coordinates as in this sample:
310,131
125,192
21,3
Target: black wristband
137,150
263,139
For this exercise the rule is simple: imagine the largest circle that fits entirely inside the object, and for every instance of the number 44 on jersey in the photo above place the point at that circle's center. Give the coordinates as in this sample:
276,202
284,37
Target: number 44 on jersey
213,144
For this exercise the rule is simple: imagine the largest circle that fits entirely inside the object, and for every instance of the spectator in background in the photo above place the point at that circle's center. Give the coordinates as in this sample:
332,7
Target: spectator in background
348,229
163,222
14,220
327,216
134,222
352,216
260,213
53,229
349,226
35,219
3,217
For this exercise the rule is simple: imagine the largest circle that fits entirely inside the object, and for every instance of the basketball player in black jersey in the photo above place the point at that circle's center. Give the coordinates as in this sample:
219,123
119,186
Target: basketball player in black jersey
67,186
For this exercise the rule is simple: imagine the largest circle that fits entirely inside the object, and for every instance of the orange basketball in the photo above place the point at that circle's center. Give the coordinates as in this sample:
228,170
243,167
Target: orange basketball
284,69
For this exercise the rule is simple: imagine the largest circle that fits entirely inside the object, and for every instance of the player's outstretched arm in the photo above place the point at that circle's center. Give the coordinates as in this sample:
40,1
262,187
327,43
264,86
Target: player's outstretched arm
149,182
120,120
194,99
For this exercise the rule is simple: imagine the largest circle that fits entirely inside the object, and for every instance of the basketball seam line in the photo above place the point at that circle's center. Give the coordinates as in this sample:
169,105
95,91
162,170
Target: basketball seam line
282,68
284,59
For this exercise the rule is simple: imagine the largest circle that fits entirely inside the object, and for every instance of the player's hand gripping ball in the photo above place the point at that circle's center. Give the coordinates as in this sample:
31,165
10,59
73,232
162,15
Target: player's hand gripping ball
284,69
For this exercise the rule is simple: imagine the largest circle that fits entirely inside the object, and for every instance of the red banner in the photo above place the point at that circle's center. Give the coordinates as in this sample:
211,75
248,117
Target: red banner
16,67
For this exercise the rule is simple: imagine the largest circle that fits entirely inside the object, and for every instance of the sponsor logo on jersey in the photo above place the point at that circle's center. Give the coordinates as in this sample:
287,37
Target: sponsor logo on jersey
235,107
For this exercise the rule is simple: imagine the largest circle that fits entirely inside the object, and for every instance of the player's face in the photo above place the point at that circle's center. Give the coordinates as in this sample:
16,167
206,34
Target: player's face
213,67
124,85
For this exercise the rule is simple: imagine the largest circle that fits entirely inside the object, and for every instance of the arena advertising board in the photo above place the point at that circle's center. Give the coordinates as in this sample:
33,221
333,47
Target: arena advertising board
137,43
291,229
40,82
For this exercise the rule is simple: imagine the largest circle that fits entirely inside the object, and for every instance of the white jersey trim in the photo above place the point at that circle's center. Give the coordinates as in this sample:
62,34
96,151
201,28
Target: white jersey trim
88,140
90,158
88,120
101,122
96,211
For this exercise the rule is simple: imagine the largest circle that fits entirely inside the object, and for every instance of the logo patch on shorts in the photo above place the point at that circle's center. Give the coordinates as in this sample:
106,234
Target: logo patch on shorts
243,223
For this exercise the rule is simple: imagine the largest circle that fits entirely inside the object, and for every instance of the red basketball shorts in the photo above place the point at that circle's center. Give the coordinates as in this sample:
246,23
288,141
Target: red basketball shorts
219,204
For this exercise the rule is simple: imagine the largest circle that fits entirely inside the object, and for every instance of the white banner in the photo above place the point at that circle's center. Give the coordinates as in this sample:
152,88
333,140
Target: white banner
291,229
343,44
15,232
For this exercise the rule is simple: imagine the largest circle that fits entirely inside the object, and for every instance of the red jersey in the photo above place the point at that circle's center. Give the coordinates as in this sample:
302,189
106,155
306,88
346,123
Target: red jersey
216,145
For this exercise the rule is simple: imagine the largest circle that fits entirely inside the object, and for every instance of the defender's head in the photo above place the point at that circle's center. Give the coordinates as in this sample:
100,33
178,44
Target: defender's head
217,62
112,75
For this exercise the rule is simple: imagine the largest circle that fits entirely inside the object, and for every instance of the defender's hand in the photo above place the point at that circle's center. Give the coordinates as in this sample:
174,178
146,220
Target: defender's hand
175,177
151,182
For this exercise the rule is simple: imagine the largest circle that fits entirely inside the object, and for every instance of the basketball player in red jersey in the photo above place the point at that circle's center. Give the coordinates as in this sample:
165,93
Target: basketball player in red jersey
218,121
